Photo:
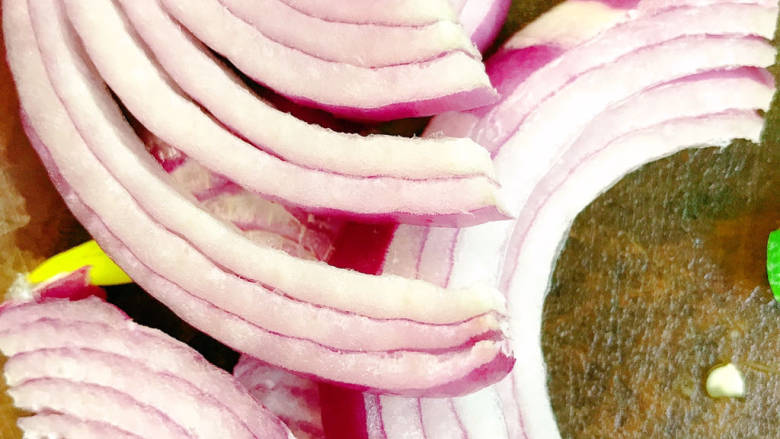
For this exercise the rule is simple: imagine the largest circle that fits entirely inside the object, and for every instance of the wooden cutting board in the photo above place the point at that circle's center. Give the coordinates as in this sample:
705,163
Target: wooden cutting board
661,278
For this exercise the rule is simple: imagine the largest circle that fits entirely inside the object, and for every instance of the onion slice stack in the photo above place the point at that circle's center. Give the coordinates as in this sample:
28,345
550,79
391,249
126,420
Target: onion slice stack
456,188
378,79
86,370
384,333
564,132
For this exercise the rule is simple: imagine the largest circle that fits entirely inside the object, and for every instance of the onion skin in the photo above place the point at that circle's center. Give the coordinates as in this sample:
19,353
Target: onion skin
635,127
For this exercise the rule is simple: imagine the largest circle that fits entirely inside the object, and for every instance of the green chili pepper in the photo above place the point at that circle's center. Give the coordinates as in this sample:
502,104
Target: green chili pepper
773,262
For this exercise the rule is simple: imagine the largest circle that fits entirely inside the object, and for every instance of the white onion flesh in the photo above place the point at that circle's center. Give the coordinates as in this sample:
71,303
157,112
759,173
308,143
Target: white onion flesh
117,375
152,99
266,223
190,217
451,81
95,404
212,85
183,403
392,12
366,45
73,328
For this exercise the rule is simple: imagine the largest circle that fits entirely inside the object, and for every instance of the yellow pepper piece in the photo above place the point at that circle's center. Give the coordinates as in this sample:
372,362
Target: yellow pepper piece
103,270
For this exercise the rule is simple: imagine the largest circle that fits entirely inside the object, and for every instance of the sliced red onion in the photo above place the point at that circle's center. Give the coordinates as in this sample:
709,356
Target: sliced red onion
247,338
746,88
177,207
86,310
578,103
266,223
615,46
93,403
208,82
74,286
450,372
482,19
152,99
452,81
50,425
58,325
365,45
700,109
186,405
536,247
390,12
278,223
295,400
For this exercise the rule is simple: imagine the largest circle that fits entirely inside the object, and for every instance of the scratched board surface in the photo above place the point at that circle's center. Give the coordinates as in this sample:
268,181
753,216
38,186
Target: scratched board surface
661,278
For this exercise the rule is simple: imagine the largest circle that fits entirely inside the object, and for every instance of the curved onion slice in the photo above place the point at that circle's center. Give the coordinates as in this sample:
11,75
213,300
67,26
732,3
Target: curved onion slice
537,246
44,425
72,327
121,152
266,223
16,314
700,109
454,369
158,105
391,12
482,19
211,84
451,372
366,45
252,213
96,404
127,375
183,403
295,400
656,28
453,81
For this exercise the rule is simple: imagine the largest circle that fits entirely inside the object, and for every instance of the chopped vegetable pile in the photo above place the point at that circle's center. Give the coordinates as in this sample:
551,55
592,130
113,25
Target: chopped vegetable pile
377,286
